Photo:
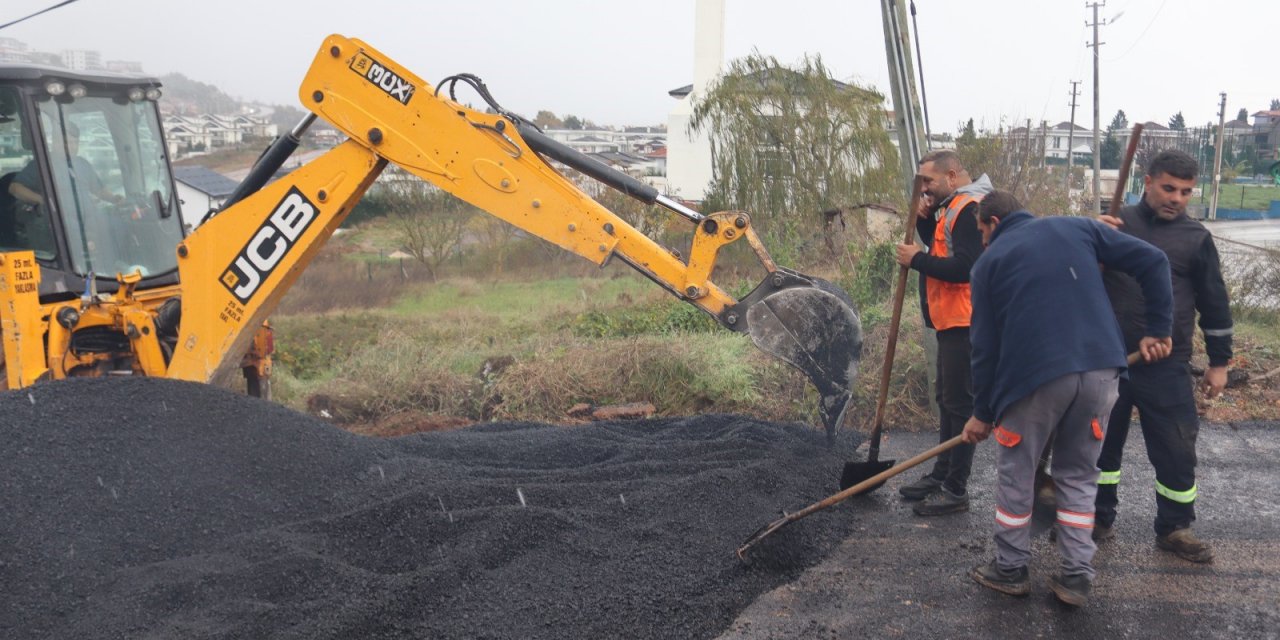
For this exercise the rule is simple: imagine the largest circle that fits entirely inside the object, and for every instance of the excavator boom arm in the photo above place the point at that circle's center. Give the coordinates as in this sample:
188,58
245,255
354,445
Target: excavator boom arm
236,266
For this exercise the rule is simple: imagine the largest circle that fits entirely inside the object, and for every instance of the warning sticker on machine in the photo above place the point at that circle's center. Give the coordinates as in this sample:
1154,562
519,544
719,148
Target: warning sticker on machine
21,277
382,77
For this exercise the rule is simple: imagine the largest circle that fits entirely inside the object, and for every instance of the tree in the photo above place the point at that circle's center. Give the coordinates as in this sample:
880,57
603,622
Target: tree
1243,115
1011,168
1119,122
1177,122
967,134
430,224
789,143
1275,104
572,122
1109,155
495,236
548,120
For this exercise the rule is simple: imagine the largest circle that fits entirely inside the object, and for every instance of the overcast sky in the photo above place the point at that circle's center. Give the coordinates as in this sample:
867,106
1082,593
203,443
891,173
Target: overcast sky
614,61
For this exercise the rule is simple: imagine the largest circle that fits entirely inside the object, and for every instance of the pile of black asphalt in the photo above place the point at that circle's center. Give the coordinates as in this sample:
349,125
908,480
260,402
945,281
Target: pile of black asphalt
147,508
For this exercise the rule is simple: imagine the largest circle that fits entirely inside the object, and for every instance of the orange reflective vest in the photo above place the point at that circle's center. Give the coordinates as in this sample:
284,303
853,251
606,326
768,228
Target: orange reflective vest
949,303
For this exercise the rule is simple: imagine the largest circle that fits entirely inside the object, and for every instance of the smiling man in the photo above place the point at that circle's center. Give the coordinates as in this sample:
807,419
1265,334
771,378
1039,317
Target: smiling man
1163,391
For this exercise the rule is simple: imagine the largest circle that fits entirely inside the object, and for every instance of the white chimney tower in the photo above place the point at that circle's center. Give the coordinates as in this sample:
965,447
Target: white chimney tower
689,157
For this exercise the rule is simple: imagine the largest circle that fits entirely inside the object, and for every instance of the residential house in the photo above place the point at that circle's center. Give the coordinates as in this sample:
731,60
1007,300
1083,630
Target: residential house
200,190
1066,133
192,134
1266,135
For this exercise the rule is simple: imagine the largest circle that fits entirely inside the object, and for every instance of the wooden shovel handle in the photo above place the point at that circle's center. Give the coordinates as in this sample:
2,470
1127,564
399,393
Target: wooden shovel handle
891,347
1132,150
767,530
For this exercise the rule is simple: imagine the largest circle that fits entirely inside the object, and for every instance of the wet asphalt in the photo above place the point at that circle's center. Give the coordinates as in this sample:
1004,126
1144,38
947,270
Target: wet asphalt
903,576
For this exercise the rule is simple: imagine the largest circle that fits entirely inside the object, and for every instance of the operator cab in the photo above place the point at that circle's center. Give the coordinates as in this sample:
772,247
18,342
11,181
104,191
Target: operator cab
84,178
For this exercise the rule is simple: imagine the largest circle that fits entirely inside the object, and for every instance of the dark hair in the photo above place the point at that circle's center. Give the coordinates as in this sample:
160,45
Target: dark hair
997,204
1175,163
944,159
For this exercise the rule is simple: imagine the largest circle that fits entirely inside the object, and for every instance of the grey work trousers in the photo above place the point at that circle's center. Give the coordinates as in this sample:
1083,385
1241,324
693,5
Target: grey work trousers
1075,407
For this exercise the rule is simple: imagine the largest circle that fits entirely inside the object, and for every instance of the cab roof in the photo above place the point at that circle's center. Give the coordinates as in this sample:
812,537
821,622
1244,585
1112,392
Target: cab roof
10,71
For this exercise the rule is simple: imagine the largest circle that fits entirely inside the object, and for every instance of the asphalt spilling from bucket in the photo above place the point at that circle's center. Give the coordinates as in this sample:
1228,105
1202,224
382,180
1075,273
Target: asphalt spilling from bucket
154,508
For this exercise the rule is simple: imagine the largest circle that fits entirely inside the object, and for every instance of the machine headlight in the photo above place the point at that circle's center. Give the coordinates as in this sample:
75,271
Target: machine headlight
68,317
136,94
153,94
55,87
76,91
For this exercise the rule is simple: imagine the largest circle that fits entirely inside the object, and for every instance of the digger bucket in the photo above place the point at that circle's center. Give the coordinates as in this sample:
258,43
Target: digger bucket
812,325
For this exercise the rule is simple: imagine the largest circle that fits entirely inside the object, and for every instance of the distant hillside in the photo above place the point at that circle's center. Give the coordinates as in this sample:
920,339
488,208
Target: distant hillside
188,97
185,96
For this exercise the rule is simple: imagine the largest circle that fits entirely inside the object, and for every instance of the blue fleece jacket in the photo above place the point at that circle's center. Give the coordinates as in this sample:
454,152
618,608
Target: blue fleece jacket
1040,310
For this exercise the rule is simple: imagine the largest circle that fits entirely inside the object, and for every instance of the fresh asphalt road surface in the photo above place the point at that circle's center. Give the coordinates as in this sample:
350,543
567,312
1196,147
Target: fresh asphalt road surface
904,576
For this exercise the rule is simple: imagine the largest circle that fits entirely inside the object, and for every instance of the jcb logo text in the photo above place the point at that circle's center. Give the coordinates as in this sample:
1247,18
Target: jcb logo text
269,245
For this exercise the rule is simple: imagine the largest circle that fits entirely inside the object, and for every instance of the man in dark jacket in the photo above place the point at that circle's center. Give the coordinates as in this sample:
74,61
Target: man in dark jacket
1162,391
947,221
1047,355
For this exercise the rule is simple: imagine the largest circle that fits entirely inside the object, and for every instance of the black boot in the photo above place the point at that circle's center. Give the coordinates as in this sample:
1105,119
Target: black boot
1015,582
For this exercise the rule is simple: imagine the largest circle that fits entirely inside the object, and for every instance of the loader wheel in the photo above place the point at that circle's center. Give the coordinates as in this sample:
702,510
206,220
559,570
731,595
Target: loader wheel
256,385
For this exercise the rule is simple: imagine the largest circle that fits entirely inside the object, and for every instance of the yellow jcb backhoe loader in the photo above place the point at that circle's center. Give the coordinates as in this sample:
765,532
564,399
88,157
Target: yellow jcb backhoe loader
98,275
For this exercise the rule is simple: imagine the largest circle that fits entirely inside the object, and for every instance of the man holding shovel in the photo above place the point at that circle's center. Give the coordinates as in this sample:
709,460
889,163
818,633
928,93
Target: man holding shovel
947,220
1047,357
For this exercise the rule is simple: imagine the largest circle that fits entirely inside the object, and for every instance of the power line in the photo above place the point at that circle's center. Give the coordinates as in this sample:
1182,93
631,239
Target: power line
44,10
1141,35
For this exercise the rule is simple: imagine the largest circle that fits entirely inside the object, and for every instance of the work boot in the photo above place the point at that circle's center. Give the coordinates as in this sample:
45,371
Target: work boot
1186,545
1015,582
941,502
1103,532
1072,590
920,489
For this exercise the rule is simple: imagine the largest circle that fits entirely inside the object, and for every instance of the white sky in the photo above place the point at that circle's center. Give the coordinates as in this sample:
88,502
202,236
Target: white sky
614,61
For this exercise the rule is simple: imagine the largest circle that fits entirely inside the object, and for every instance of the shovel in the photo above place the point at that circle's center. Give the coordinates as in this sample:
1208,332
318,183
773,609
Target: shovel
861,487
855,472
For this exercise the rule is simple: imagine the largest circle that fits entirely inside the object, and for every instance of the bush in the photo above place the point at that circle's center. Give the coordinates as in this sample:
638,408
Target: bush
874,276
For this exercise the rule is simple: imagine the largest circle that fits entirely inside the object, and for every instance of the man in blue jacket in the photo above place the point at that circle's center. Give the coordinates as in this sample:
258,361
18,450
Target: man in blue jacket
1047,357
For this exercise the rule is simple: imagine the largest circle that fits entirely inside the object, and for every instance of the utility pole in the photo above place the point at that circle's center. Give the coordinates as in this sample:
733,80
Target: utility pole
1097,136
912,141
1217,158
1071,136
1044,143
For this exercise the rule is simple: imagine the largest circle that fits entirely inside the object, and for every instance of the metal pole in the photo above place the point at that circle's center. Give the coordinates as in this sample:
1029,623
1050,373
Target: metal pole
924,96
1217,159
1071,137
1097,136
911,138
906,105
1044,143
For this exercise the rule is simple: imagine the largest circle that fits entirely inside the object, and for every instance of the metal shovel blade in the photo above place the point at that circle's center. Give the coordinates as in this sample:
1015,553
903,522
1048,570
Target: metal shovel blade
855,472
812,325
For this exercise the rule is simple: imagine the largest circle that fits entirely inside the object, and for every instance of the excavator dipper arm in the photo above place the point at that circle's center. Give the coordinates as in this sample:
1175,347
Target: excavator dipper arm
237,265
